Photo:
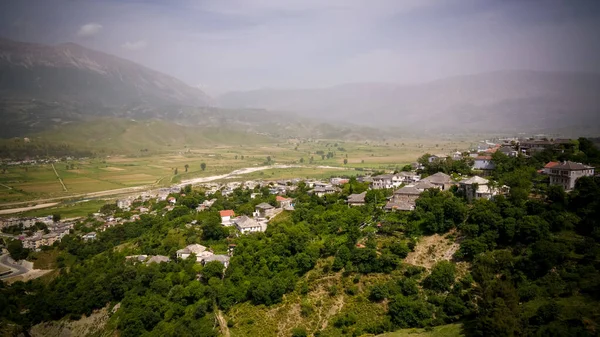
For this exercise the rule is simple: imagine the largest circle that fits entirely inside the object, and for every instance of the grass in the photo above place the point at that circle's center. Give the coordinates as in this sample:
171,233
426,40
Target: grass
79,209
121,164
449,330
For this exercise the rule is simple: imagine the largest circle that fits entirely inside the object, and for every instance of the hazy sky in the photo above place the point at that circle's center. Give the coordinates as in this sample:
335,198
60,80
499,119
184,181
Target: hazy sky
222,45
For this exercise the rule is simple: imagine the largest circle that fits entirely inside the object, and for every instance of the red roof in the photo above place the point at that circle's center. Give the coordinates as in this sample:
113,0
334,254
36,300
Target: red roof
280,198
551,164
227,212
484,157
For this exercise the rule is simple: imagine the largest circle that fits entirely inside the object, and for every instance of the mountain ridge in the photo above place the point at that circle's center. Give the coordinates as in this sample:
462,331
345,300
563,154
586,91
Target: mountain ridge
546,100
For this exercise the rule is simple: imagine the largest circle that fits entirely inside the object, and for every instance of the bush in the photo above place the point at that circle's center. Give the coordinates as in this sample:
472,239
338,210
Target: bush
441,277
299,332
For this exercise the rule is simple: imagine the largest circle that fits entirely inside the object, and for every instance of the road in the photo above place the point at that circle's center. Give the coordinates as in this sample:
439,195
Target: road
5,260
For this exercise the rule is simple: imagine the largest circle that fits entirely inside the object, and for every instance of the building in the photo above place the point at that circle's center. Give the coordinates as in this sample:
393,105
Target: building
477,188
91,236
124,204
320,191
407,194
339,181
399,206
263,210
439,180
357,199
198,250
284,202
223,259
247,225
485,164
158,259
226,216
508,151
548,167
566,174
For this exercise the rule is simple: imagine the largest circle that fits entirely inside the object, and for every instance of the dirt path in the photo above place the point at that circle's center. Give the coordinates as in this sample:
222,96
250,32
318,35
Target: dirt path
59,179
222,324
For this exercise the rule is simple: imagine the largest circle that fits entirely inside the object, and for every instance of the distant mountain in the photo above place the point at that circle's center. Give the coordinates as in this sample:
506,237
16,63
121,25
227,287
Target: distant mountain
499,101
70,72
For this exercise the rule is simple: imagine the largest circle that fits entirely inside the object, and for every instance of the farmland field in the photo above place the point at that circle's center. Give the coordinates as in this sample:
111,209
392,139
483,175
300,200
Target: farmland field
35,182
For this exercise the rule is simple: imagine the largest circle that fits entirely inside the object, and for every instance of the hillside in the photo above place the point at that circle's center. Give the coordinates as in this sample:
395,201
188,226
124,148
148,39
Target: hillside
498,101
43,86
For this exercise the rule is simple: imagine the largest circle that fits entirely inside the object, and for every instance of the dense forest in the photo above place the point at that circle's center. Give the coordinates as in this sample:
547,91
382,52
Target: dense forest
533,261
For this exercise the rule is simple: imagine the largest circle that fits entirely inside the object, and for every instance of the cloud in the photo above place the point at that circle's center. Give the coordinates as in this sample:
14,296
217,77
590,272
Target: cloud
89,29
134,46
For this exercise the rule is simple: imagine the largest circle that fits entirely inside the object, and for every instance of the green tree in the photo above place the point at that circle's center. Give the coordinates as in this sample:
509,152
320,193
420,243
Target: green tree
203,166
345,161
56,217
16,250
441,277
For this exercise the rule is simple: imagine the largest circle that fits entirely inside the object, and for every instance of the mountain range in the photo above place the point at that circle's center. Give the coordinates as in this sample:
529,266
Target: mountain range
497,101
46,87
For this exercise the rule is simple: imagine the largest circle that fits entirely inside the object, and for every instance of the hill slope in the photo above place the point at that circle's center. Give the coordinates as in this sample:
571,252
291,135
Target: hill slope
498,101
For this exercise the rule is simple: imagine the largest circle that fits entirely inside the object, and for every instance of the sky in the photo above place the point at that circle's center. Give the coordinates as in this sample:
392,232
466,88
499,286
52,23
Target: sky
224,45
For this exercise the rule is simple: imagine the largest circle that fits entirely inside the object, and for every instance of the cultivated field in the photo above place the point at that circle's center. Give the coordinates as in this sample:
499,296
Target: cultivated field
35,182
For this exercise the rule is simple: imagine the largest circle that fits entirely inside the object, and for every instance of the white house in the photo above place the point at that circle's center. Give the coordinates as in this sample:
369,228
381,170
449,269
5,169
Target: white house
247,225
226,216
198,250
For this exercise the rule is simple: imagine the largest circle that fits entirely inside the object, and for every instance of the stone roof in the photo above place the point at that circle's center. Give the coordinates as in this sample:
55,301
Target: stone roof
158,259
475,180
220,258
264,205
246,222
438,178
569,165
400,206
408,190
193,248
357,197
423,185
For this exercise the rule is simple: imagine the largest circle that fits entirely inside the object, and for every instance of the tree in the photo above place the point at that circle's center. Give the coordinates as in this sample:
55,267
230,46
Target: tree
212,269
16,250
56,217
175,171
186,167
203,166
345,161
441,277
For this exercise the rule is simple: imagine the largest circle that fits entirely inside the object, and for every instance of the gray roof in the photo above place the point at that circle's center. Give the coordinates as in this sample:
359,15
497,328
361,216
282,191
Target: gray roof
264,205
357,197
569,165
423,185
438,178
158,259
220,258
475,180
401,206
408,190
245,222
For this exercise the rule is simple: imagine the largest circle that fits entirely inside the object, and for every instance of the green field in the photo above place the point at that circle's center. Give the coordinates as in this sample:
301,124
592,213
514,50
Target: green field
450,330
73,210
130,153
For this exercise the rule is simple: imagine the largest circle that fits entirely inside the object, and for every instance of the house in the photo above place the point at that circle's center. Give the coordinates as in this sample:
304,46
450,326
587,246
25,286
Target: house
357,199
89,236
172,200
339,181
254,195
424,185
484,164
566,174
409,177
263,210
205,205
226,216
399,206
284,202
456,155
247,225
508,151
436,157
387,181
124,204
223,259
477,188
535,145
407,194
439,180
196,249
158,259
548,167
321,191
